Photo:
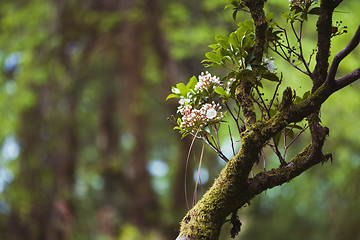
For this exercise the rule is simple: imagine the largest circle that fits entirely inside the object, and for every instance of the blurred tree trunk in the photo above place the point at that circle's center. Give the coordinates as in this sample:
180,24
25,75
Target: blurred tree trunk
63,169
48,152
172,74
46,175
142,196
28,217
108,141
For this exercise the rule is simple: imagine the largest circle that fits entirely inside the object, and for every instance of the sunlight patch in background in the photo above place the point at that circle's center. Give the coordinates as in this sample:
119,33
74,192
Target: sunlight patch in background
10,87
10,150
128,141
159,169
6,176
12,61
202,176
227,149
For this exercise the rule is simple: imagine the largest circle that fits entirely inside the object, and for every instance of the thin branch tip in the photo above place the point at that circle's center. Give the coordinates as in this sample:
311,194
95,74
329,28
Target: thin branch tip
354,42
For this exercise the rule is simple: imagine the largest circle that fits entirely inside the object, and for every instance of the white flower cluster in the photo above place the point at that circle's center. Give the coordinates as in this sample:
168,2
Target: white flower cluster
206,80
270,64
297,2
183,102
229,84
198,118
300,3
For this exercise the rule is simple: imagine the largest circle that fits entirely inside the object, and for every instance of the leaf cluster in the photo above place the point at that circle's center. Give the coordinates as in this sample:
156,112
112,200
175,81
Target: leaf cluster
301,11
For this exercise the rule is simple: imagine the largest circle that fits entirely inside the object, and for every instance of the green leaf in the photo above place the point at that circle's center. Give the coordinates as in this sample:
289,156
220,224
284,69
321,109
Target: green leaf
223,41
247,41
290,133
304,16
214,46
219,53
296,9
297,99
228,58
172,95
191,84
213,57
272,112
228,6
233,40
269,16
271,76
259,84
277,138
226,52
239,34
234,14
182,89
248,59
184,134
277,32
212,64
242,73
220,91
247,26
286,16
315,11
298,127
306,94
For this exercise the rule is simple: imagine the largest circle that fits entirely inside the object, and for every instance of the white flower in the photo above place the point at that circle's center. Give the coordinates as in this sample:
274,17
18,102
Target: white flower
183,101
198,118
301,3
206,80
175,90
211,113
271,66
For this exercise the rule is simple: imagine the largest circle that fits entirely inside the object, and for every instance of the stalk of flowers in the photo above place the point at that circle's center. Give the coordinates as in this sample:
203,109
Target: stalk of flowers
269,63
194,119
300,3
184,102
297,2
206,80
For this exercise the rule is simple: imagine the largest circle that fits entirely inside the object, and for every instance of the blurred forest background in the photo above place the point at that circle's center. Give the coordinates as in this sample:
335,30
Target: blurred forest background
87,152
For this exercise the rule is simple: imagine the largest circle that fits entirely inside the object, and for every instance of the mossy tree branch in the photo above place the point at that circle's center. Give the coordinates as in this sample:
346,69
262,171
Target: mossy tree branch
243,92
256,8
323,25
233,188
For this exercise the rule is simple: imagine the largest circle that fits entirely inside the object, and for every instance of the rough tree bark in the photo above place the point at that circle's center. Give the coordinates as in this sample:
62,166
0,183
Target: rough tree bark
234,188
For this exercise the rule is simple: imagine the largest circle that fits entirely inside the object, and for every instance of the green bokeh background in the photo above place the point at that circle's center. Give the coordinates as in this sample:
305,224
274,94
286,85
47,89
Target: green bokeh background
66,97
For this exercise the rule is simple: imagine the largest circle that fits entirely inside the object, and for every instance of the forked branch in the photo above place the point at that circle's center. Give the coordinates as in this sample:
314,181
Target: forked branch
347,79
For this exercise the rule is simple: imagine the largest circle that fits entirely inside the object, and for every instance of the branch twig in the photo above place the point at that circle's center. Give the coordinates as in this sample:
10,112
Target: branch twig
339,57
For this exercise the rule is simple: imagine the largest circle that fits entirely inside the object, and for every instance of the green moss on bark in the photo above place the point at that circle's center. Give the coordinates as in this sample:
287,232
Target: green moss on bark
205,219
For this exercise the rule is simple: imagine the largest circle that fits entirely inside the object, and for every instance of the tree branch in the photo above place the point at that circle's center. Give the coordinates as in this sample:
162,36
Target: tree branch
256,8
232,189
276,177
354,42
337,3
347,79
244,91
323,25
